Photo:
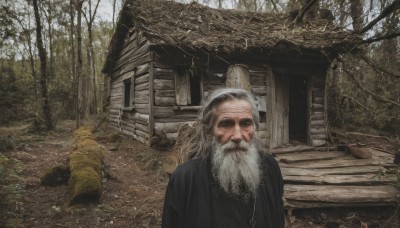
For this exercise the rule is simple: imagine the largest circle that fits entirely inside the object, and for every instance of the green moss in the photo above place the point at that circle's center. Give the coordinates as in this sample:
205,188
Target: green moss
85,165
85,185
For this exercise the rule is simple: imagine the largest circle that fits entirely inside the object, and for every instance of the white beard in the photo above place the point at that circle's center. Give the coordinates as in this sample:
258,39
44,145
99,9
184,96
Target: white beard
236,166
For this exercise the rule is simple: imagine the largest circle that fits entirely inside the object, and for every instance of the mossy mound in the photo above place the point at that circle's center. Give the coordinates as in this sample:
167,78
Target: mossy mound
85,164
55,176
83,133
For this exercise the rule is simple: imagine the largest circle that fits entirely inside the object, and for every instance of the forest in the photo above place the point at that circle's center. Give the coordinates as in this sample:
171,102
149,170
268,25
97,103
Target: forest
52,58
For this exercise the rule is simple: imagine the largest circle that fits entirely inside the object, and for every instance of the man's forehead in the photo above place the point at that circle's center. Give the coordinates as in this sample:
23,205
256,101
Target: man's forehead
234,107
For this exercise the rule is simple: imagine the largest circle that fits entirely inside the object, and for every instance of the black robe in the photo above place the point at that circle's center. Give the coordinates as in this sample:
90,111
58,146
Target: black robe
188,201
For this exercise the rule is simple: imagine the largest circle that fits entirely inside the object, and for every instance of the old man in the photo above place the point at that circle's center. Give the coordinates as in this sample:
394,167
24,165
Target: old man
227,180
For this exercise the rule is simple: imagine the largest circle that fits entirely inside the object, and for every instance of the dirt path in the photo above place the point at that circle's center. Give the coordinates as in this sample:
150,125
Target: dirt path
133,189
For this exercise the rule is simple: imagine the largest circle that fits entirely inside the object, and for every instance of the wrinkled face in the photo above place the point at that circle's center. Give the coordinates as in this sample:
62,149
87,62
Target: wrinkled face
234,122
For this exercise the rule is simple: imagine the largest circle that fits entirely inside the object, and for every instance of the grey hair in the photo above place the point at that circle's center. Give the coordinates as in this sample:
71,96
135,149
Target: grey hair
202,141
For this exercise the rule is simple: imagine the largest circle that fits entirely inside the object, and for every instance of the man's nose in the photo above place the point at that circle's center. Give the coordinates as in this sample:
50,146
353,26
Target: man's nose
237,135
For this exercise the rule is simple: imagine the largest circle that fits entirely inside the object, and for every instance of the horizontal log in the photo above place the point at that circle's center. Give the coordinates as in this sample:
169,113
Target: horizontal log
349,162
162,84
164,93
176,118
318,100
142,108
141,87
364,179
141,139
127,132
319,136
142,79
141,100
168,127
142,134
318,142
142,127
317,107
291,171
341,194
317,123
317,117
142,69
164,101
310,156
160,111
144,93
316,131
128,128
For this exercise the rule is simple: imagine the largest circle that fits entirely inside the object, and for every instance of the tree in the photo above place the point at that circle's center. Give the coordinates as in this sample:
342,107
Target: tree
43,69
91,59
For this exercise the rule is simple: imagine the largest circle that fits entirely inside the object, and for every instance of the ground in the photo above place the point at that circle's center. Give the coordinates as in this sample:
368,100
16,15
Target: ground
134,184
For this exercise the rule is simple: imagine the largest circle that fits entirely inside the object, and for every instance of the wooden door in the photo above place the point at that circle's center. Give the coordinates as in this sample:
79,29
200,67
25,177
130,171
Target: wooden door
277,110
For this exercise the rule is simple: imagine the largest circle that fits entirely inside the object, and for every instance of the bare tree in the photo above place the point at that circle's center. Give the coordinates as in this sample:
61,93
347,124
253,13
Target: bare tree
43,69
92,69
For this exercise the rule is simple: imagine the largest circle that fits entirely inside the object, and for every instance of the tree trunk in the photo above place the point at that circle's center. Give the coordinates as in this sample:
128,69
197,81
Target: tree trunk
73,60
356,12
238,76
43,70
80,78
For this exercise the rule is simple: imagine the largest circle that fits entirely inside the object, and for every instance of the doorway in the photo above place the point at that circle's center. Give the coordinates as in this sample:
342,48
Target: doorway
298,110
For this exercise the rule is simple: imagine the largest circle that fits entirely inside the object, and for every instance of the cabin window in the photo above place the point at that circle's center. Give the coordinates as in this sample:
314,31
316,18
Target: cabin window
127,92
188,86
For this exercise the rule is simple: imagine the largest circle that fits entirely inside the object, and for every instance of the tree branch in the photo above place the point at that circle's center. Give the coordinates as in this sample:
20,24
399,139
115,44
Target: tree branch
366,108
386,11
384,37
358,84
377,67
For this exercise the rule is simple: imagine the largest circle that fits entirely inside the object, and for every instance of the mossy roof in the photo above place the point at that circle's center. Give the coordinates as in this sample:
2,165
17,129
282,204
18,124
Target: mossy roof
197,27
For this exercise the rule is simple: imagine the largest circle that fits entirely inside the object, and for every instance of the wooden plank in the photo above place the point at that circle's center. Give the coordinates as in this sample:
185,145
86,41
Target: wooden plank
291,171
165,101
161,111
291,149
142,79
143,86
142,127
165,93
333,163
341,194
309,156
142,69
162,84
364,179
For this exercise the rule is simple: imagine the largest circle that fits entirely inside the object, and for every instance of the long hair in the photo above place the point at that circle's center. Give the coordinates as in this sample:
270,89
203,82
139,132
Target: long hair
202,141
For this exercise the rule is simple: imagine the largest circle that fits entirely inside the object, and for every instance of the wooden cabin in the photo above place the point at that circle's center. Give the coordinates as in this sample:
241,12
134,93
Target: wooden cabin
165,57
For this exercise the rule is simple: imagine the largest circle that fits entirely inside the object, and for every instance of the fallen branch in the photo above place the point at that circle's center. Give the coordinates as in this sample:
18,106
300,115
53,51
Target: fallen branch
367,135
386,11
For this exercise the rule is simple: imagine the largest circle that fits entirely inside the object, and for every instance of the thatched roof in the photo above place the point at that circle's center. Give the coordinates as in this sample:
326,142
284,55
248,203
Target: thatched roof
197,27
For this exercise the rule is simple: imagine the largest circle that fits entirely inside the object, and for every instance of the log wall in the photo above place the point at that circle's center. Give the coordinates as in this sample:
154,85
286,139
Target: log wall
134,61
317,130
155,108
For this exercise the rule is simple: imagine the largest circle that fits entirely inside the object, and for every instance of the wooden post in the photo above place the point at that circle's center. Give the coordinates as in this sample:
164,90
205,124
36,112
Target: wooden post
238,76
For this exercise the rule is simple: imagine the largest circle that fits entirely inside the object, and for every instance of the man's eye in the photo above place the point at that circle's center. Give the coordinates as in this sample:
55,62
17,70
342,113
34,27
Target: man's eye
225,124
247,123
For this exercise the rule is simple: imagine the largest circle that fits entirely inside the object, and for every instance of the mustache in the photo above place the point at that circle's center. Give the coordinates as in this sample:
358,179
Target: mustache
235,147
